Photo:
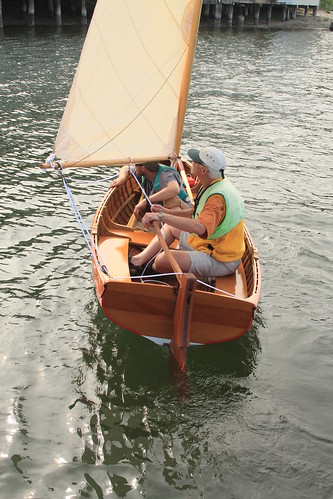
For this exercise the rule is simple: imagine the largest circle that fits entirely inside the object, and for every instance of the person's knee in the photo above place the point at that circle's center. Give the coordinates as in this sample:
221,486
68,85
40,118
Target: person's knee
161,263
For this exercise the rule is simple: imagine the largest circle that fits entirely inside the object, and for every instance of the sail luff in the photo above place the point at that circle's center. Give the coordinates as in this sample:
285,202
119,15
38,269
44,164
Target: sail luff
187,75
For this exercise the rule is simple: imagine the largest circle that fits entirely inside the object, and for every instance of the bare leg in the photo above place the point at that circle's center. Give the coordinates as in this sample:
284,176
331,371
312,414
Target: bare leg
170,234
163,265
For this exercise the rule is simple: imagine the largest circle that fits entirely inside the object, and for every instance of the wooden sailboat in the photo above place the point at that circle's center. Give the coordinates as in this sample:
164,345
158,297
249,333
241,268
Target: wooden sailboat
127,105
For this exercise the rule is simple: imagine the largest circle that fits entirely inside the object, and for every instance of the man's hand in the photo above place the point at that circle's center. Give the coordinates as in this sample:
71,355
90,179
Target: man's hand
139,208
149,218
117,182
123,174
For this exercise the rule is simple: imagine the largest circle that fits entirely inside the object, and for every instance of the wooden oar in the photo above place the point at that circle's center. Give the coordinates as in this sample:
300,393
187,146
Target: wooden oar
173,262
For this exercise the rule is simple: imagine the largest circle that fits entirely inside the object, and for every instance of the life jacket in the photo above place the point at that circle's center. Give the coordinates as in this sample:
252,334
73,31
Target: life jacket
156,183
235,209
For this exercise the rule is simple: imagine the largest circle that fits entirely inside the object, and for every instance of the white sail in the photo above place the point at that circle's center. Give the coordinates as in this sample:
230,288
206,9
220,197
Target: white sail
129,93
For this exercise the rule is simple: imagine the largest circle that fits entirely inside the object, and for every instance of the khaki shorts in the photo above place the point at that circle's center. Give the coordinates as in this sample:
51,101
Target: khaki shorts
203,265
176,202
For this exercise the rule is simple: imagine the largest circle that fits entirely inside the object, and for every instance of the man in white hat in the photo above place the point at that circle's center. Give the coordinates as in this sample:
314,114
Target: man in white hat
211,236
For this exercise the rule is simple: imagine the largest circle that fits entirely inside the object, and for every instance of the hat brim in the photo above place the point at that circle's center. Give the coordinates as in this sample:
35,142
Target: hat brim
194,155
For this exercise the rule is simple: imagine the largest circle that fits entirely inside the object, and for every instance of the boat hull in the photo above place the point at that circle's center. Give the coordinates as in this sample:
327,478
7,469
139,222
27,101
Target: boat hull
148,311
219,313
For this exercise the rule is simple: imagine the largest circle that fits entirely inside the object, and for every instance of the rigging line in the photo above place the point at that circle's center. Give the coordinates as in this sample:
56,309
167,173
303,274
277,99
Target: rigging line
84,229
89,182
139,113
141,277
142,189
215,289
150,261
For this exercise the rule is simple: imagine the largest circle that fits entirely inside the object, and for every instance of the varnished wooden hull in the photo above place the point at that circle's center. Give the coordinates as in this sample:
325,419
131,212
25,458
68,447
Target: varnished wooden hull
148,308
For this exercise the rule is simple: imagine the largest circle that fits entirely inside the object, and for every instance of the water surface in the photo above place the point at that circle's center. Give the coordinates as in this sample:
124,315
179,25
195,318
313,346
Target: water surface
90,410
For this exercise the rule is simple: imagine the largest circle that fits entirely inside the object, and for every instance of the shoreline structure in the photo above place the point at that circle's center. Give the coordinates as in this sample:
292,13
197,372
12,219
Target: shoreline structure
30,13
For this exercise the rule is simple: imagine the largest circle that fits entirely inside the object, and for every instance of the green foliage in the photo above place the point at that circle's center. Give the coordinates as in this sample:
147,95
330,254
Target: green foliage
326,5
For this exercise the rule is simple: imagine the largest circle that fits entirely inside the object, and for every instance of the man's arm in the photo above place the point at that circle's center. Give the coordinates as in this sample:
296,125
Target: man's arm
168,192
187,213
181,223
123,174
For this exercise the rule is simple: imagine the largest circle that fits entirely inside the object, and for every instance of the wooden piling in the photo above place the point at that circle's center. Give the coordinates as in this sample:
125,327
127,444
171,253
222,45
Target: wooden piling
51,8
31,13
72,6
256,14
269,14
205,10
240,17
84,20
58,12
213,9
218,12
230,14
24,9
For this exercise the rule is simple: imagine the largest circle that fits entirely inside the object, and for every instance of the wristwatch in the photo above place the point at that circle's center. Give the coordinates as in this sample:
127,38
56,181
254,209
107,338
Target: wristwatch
161,216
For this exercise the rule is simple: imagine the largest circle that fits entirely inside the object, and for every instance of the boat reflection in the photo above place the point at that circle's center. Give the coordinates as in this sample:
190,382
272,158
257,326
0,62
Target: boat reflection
136,417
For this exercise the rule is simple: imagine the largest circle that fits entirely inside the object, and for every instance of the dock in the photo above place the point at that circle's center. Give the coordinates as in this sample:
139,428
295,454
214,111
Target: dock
230,12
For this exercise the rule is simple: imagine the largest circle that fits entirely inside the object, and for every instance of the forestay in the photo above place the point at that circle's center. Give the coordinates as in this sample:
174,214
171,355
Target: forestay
129,94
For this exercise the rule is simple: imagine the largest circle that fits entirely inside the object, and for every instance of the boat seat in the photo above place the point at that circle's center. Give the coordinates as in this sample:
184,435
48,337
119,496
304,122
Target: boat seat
234,284
114,251
136,238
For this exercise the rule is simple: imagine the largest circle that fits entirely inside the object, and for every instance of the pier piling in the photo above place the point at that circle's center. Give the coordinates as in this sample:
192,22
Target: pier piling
285,13
51,8
31,13
240,17
84,19
218,12
230,13
58,12
256,14
62,12
269,14
205,10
